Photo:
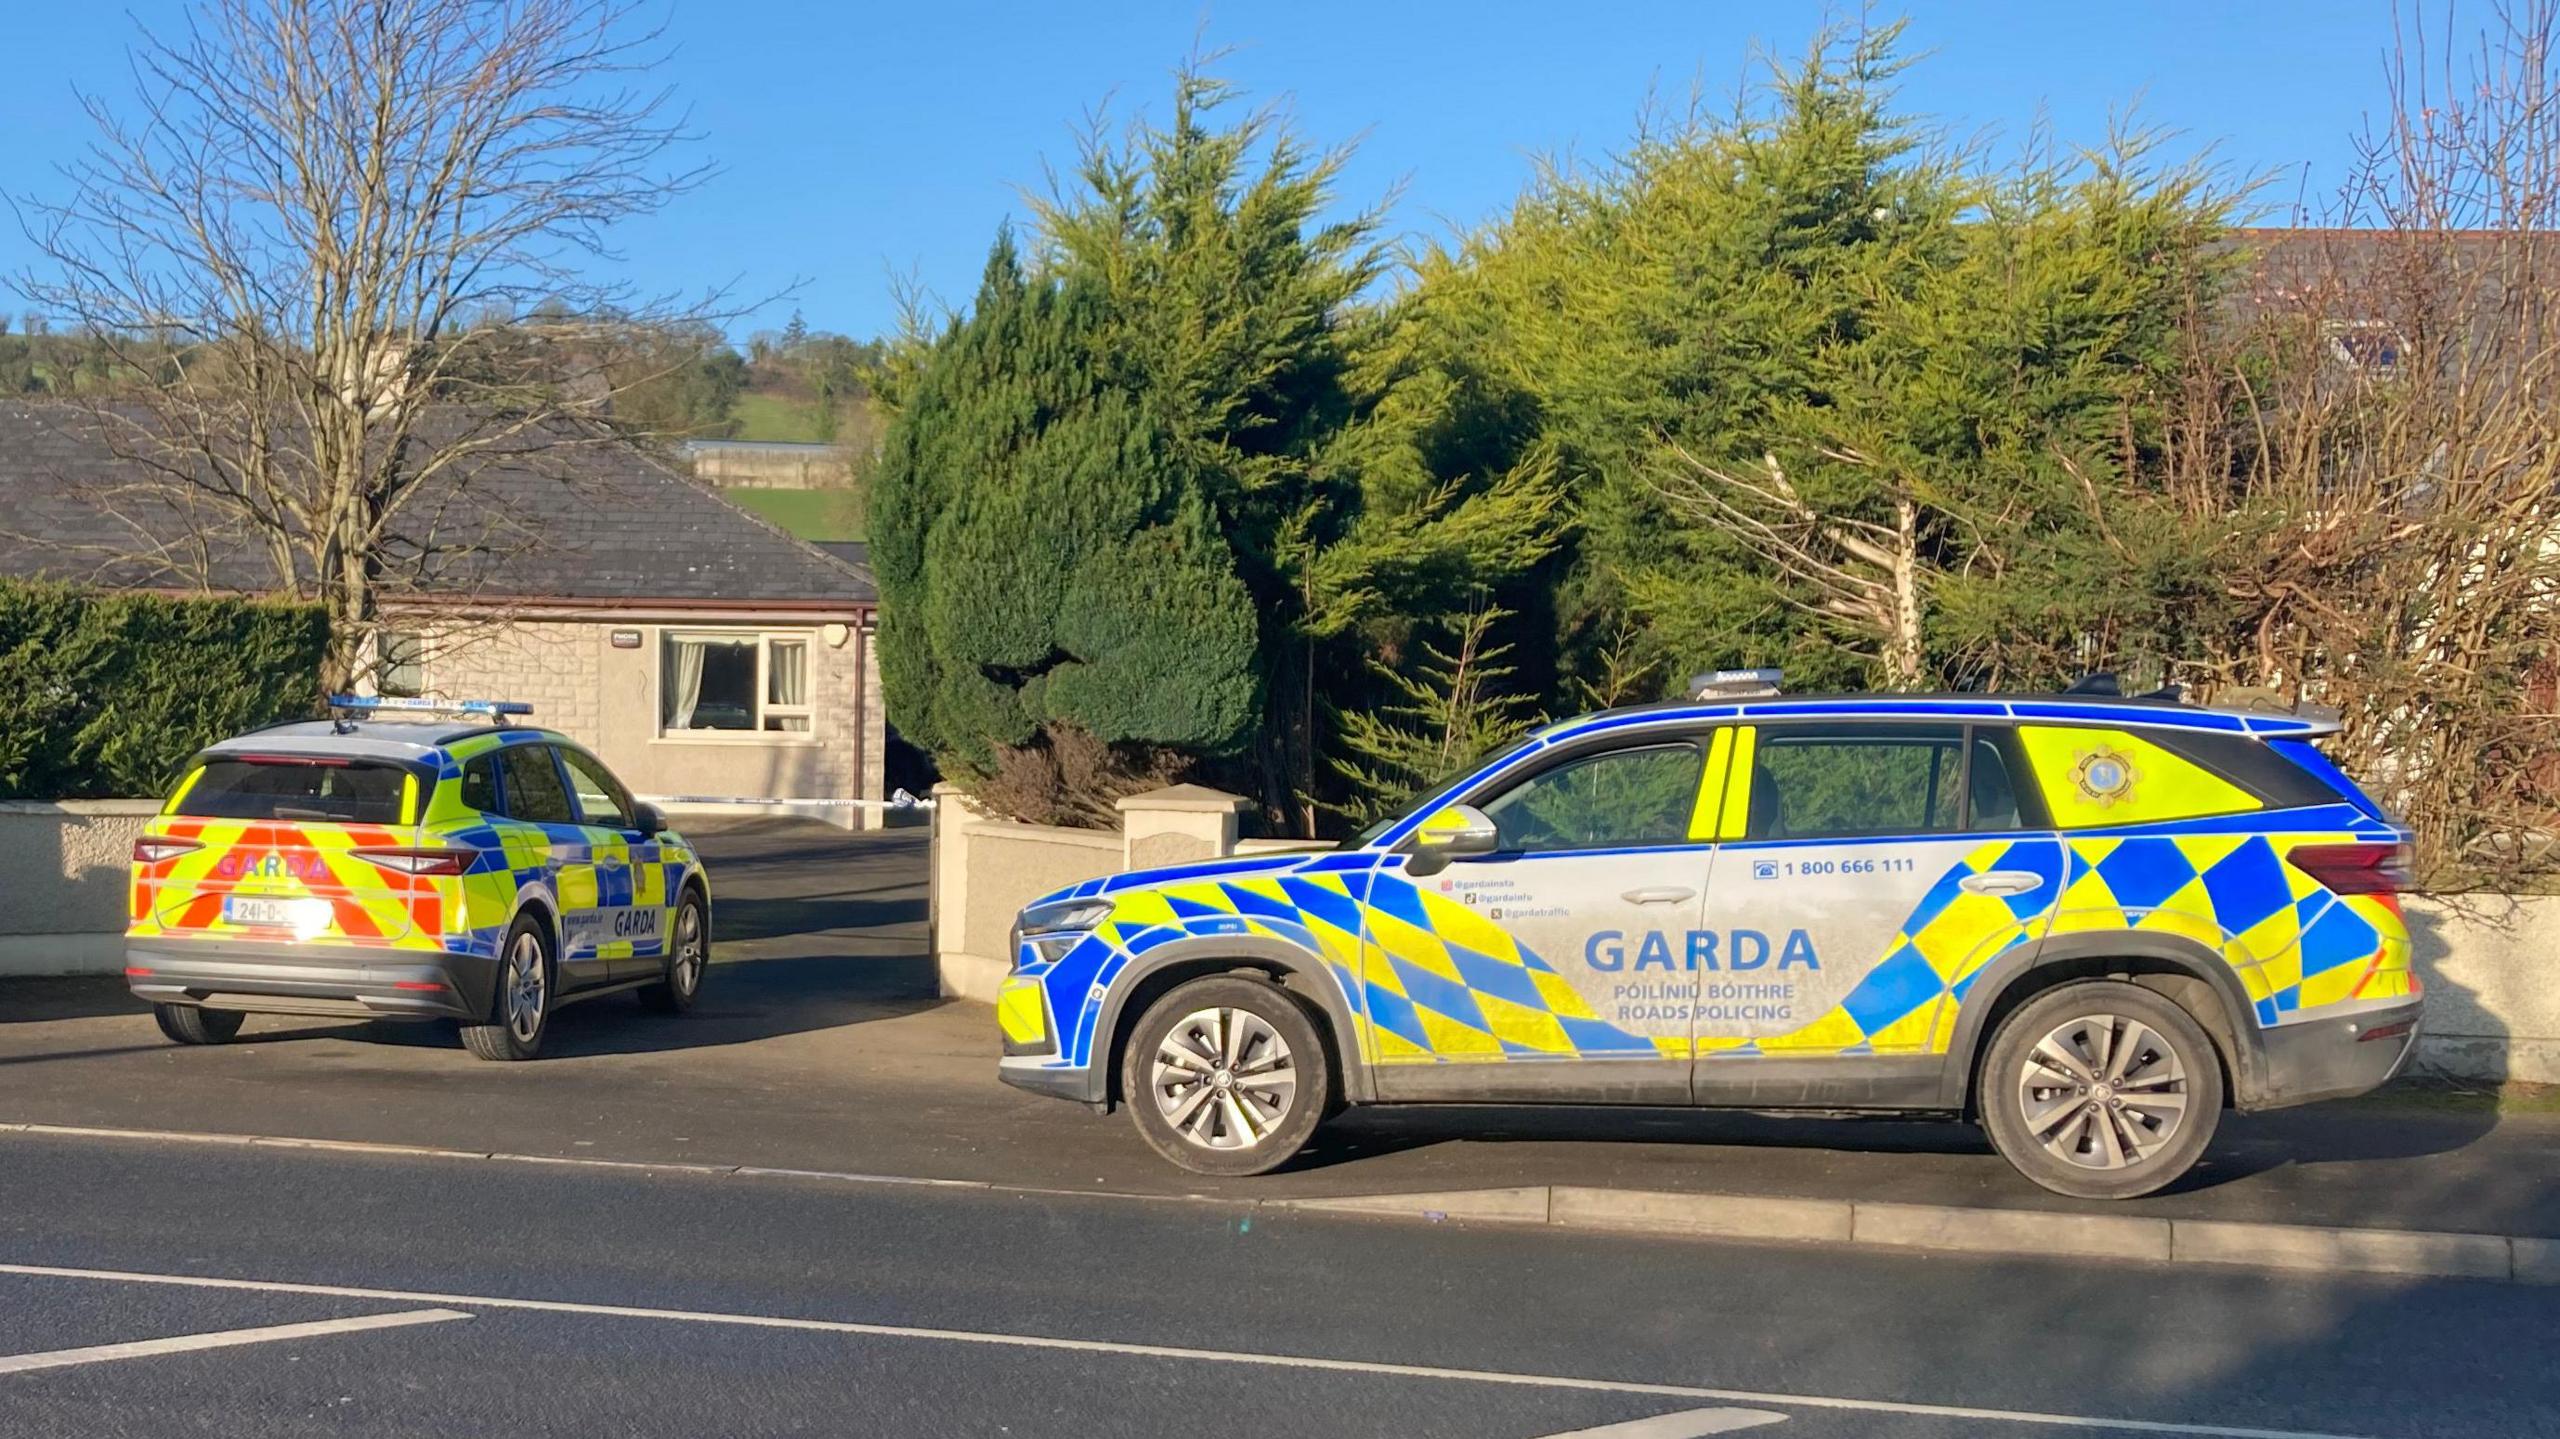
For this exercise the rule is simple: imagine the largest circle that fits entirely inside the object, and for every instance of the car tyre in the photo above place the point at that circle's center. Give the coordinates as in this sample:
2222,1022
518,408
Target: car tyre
688,958
1226,1076
2101,1089
520,1007
194,1024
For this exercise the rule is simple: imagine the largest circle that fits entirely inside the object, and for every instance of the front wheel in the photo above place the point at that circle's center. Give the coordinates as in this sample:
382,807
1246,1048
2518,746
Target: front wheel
688,955
1226,1076
521,1009
194,1024
2101,1090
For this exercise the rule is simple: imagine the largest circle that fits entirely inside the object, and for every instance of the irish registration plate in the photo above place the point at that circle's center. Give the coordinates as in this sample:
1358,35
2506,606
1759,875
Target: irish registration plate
281,913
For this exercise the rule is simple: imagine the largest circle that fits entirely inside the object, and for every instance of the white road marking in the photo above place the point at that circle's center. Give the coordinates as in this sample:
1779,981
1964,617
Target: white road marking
220,1339
1167,1351
1687,1424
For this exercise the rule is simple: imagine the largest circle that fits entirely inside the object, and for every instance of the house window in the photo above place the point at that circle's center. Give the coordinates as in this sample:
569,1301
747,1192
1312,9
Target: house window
2373,346
733,681
786,684
400,671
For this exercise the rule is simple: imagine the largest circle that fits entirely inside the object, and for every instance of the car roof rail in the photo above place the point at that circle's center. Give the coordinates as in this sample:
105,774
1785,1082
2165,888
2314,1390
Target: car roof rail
2103,684
2256,699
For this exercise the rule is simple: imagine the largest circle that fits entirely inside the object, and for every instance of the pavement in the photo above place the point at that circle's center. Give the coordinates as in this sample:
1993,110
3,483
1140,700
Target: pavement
157,1289
817,1046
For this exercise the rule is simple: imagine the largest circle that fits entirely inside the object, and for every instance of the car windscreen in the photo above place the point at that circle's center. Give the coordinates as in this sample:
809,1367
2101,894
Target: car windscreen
289,787
1439,793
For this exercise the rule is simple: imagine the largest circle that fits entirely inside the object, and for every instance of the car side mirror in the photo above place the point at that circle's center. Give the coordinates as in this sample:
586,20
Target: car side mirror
1455,832
648,819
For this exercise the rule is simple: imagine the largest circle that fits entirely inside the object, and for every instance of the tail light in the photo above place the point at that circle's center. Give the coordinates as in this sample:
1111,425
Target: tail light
152,848
418,861
2353,868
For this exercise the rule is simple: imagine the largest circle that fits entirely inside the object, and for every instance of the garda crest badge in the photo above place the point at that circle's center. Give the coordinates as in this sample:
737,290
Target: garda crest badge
2103,776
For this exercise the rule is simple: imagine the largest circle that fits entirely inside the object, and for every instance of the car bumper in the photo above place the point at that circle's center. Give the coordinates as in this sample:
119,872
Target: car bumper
2318,1059
329,980
1083,1084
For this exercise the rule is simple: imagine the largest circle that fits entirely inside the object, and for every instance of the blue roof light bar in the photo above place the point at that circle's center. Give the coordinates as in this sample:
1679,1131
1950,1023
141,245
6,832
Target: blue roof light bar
369,704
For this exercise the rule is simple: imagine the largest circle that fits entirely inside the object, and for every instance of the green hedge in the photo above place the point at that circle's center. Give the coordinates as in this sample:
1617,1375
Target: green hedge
106,695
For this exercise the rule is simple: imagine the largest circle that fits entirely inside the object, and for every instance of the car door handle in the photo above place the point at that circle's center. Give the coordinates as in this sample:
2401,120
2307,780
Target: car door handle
2002,881
1659,894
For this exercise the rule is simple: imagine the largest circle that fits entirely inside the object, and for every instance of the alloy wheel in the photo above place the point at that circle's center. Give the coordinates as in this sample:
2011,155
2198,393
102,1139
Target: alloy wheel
2103,1091
1224,1078
691,953
525,982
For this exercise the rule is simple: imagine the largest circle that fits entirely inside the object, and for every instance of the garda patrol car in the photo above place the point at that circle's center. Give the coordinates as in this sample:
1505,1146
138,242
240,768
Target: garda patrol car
420,870
2089,922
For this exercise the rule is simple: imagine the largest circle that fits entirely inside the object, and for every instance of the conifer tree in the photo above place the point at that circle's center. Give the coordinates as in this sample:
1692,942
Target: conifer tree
1041,556
1166,483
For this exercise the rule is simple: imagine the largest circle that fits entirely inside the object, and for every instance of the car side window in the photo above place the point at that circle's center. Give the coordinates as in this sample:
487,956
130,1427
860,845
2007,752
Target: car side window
601,798
1614,800
480,784
1991,792
534,792
1819,782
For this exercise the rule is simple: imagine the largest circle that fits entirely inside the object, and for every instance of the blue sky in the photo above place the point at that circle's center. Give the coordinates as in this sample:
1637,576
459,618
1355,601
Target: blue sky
859,141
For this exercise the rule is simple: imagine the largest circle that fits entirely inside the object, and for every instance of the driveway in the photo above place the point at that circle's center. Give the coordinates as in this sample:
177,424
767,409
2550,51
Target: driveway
818,1045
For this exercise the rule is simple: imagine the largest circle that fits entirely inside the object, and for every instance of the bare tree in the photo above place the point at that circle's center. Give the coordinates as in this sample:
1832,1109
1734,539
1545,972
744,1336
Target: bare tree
338,252
2385,427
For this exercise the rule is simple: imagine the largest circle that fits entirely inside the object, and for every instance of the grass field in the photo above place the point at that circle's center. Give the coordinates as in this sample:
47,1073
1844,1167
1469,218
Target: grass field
778,418
810,514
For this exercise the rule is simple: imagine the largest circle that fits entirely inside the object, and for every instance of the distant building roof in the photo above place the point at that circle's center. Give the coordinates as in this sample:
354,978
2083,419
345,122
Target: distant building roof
573,516
690,448
2353,274
856,553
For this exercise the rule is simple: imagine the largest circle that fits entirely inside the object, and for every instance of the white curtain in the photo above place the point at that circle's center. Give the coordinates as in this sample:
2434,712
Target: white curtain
688,683
788,682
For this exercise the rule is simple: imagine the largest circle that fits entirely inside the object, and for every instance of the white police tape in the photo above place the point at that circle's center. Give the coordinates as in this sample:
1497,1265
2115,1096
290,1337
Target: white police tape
897,800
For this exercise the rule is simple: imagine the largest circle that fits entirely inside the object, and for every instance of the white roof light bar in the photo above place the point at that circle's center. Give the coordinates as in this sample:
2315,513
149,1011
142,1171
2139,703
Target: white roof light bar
1735,684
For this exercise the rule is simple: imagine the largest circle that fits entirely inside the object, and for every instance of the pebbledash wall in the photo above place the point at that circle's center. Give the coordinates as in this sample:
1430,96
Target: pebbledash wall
65,868
2493,1012
985,869
608,698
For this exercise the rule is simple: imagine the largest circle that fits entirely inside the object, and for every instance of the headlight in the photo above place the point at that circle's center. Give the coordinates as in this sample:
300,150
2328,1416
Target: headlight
1064,914
1045,948
1045,932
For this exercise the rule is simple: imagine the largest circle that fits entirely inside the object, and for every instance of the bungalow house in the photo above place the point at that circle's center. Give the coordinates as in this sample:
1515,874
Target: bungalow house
697,648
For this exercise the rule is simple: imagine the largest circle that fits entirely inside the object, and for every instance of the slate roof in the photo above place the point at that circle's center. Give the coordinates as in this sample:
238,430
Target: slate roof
581,517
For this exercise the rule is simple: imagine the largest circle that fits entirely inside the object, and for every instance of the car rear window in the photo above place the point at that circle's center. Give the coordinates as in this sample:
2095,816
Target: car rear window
2272,775
335,791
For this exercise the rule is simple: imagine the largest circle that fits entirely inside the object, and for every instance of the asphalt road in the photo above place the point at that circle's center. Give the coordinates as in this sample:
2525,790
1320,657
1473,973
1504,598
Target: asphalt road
817,1046
522,1300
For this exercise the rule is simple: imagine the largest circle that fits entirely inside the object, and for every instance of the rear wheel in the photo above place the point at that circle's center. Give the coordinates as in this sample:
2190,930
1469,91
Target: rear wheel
1226,1076
521,1009
194,1024
688,955
2101,1090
